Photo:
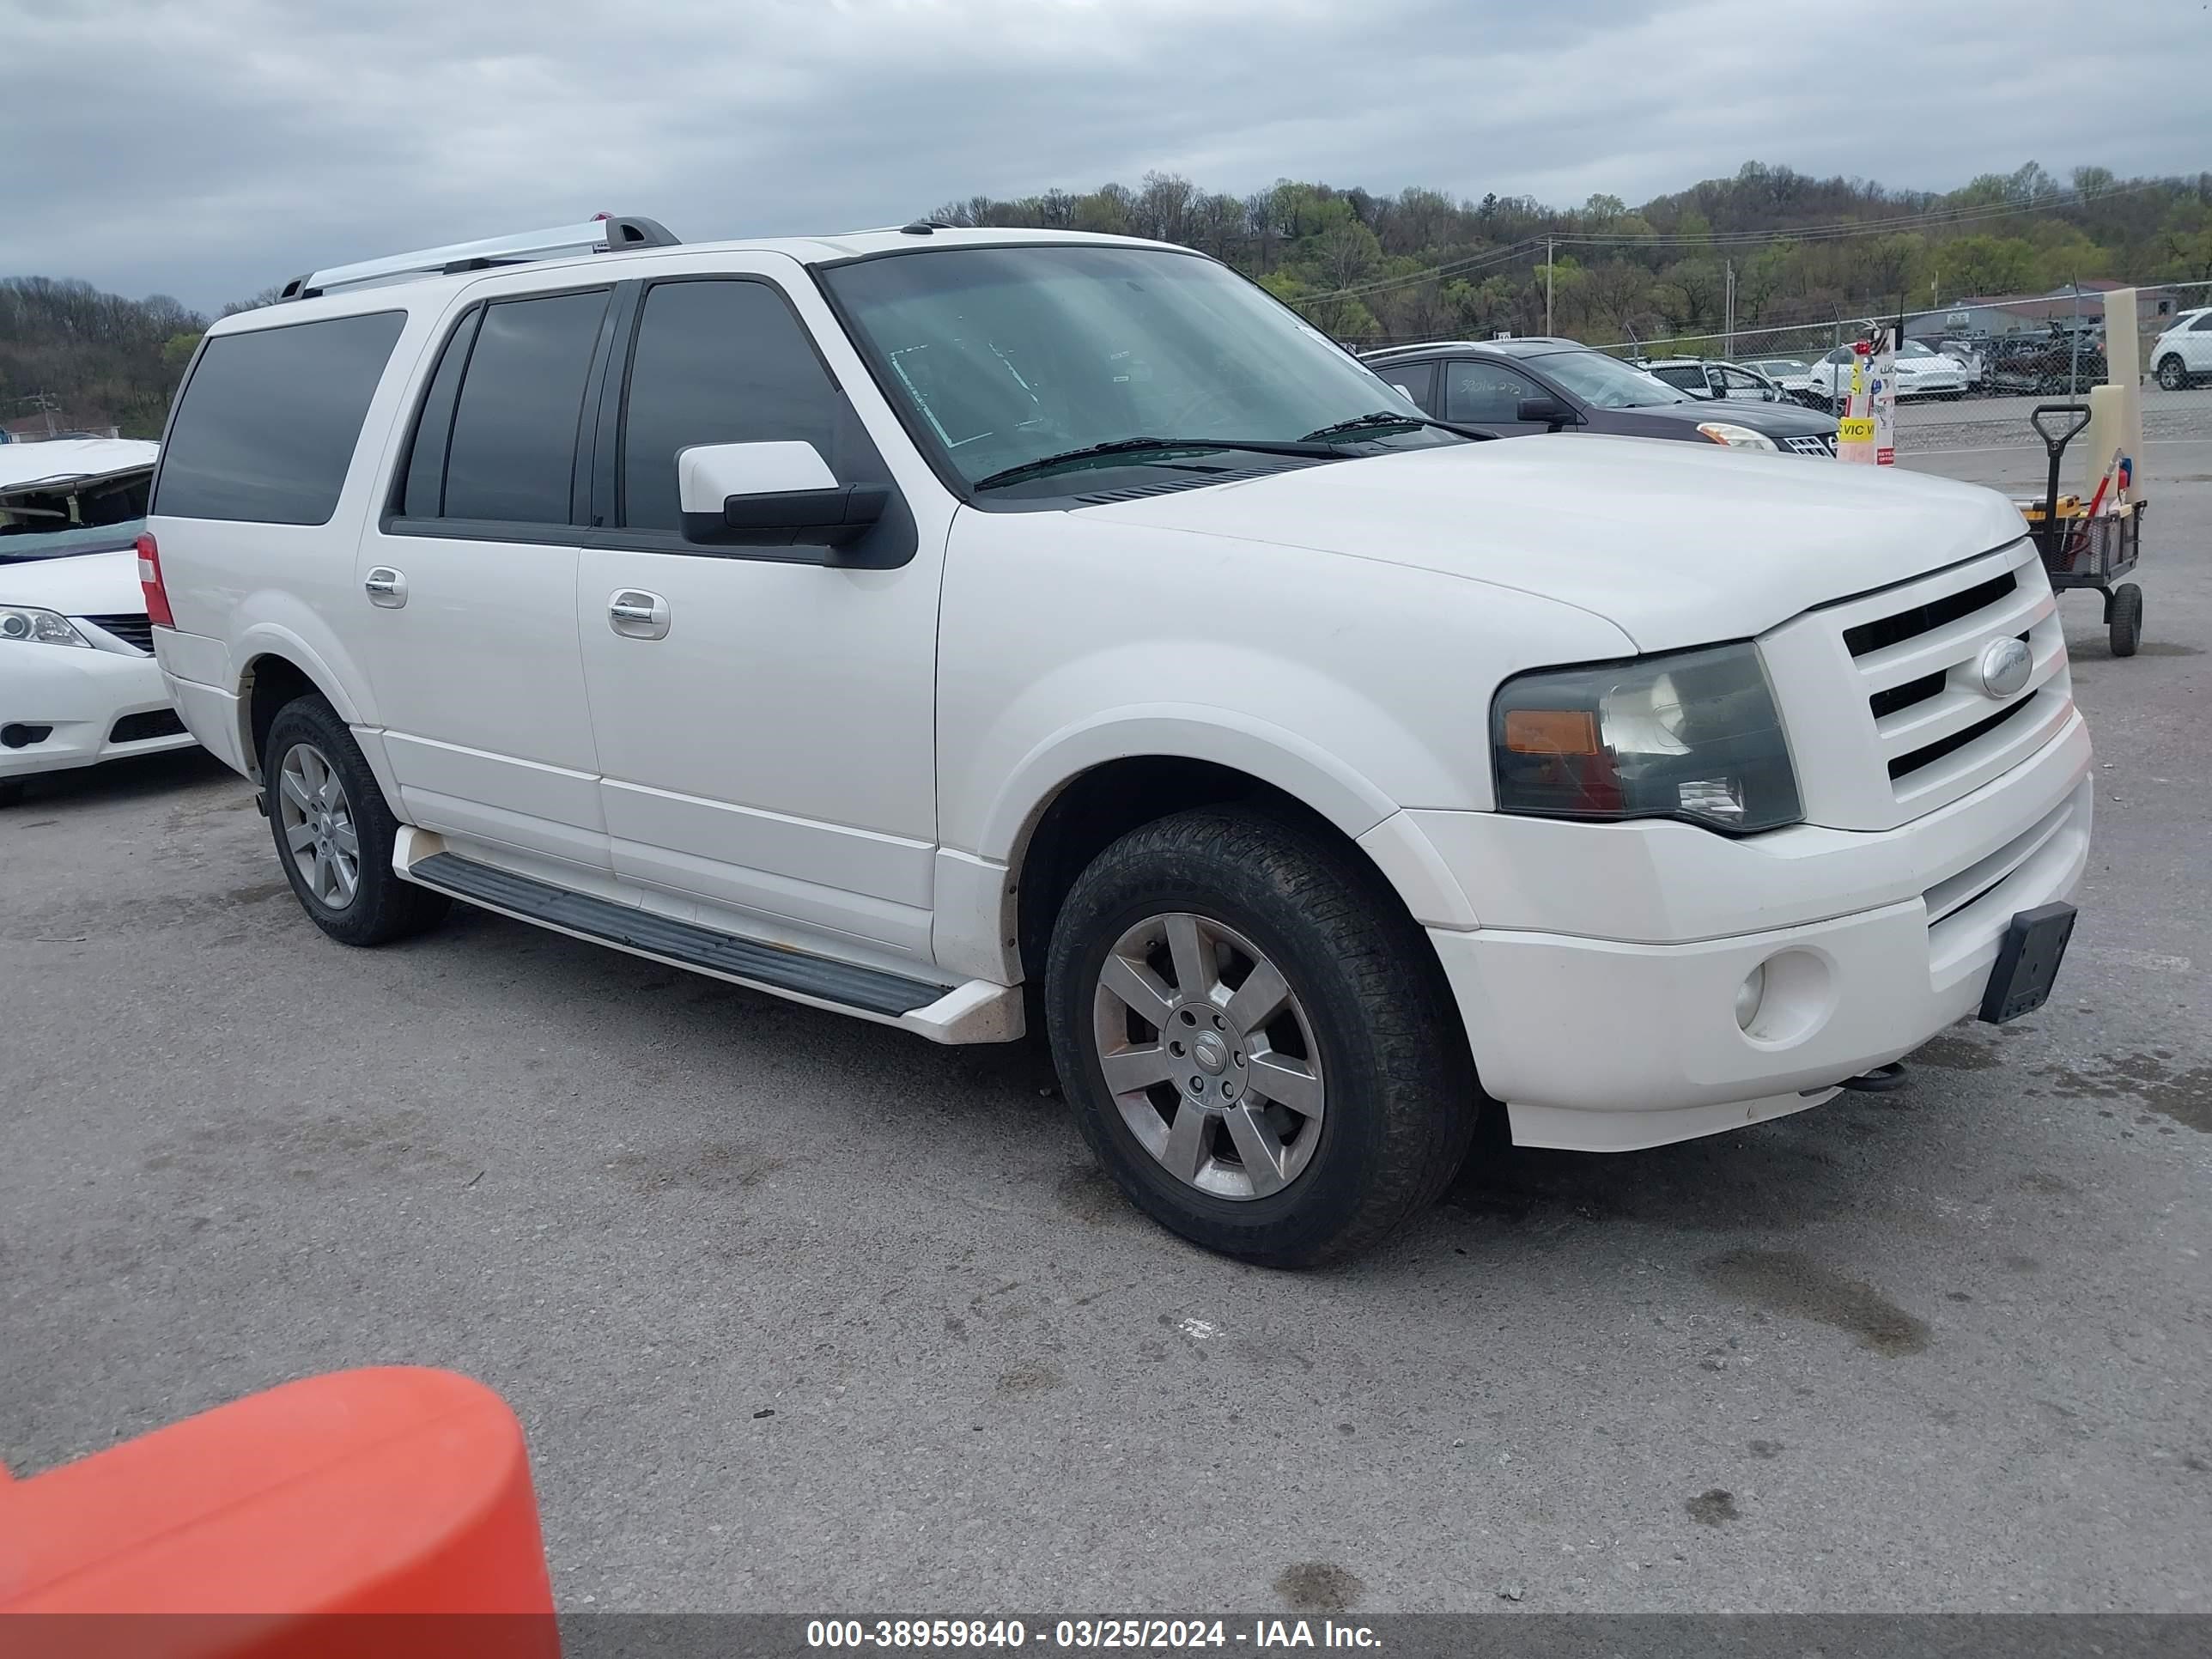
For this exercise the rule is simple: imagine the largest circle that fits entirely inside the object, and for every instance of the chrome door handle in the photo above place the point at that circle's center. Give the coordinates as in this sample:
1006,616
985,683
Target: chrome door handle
386,586
637,615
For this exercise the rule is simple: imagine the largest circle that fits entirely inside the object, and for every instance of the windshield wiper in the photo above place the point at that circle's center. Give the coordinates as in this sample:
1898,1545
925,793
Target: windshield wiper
1382,417
1306,446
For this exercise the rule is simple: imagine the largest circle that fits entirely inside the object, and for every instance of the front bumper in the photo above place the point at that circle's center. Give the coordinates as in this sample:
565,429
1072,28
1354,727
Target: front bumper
79,694
1609,1044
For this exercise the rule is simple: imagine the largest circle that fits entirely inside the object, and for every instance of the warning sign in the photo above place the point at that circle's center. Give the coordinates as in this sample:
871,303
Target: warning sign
1855,429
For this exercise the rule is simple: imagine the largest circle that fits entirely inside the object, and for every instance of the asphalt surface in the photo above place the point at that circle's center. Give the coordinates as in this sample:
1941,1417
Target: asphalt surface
805,1316
2003,421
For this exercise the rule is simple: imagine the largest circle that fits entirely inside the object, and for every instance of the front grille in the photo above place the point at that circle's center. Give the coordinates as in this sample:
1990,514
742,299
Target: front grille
139,728
1870,637
1906,764
1815,445
1910,656
132,628
1907,694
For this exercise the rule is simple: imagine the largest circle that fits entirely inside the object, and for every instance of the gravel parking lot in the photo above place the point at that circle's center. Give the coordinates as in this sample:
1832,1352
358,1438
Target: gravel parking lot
804,1315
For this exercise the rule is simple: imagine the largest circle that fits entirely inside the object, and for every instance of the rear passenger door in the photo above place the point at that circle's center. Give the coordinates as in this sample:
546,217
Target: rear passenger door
466,584
1416,380
767,741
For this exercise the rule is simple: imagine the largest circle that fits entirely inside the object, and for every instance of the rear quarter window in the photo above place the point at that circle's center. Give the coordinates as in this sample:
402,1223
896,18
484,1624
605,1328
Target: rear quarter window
267,425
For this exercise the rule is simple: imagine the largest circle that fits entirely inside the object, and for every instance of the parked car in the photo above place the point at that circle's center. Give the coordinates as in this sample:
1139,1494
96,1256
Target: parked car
1969,355
1920,374
2047,363
1709,377
1515,386
1793,374
895,621
78,682
2183,355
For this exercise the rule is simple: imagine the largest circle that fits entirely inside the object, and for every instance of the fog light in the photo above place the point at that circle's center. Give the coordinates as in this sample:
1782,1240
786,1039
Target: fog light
1749,995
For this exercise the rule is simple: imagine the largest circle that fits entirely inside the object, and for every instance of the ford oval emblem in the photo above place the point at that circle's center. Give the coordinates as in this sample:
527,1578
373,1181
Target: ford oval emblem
2005,666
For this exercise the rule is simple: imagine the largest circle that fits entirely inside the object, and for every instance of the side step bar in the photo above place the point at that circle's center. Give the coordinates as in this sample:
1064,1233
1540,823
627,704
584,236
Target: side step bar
974,1012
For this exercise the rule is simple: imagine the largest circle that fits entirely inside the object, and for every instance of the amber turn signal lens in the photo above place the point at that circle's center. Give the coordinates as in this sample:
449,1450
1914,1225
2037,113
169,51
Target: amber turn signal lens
1551,732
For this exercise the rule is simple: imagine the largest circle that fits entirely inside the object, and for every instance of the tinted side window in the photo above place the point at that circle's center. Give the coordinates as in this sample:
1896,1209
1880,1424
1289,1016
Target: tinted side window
1485,391
2203,325
268,422
512,457
422,491
1416,380
725,362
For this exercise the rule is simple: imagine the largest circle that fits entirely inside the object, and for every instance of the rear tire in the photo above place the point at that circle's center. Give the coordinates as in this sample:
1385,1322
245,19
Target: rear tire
1354,1097
2127,619
334,830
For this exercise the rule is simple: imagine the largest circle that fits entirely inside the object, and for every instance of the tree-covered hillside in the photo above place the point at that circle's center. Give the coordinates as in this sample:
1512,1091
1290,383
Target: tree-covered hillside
1421,264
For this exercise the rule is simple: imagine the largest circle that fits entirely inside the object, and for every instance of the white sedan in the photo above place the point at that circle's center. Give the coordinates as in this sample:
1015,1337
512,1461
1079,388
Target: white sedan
1921,373
78,682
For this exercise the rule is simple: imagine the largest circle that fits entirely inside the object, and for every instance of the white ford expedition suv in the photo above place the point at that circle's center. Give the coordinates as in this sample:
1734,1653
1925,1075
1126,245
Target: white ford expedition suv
963,629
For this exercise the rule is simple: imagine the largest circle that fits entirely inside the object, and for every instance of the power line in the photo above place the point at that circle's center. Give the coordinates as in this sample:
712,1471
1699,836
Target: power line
1429,273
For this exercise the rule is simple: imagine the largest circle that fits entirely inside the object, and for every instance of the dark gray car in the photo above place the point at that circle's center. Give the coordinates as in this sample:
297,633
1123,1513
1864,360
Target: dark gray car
1515,386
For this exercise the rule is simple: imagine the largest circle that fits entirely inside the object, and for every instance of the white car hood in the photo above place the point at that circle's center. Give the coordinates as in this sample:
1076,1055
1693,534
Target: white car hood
1676,543
81,585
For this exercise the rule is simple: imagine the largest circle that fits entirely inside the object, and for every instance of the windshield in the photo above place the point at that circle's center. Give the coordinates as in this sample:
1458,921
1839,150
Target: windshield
1775,365
1607,382
1919,349
22,541
68,515
1004,355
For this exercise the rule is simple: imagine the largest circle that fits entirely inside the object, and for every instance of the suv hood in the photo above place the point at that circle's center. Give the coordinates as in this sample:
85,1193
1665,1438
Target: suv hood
1676,544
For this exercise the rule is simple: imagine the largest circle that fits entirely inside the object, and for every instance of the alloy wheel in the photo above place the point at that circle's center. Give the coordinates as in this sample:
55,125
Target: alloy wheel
1209,1056
318,823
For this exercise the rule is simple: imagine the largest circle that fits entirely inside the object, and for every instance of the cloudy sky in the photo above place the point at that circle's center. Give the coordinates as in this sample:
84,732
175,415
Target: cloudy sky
209,148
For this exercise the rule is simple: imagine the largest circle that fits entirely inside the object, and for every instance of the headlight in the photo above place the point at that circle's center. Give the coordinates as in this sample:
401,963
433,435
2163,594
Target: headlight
1735,436
1693,735
39,627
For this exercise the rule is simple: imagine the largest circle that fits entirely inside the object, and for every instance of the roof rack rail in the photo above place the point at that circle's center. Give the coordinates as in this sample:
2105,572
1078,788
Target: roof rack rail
607,233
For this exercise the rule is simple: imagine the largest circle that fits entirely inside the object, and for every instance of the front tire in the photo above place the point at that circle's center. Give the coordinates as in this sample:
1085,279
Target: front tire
1256,1040
2173,373
334,830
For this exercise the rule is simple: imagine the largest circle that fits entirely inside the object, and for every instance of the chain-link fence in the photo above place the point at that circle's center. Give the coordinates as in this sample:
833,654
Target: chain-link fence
1971,374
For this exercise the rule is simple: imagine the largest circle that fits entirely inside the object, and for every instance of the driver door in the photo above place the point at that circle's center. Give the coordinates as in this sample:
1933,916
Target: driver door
1483,393
767,732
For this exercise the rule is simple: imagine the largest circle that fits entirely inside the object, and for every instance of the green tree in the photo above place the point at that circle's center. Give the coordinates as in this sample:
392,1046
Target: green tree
1983,266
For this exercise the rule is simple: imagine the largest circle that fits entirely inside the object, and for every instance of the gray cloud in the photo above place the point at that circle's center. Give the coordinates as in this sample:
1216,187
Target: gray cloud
207,149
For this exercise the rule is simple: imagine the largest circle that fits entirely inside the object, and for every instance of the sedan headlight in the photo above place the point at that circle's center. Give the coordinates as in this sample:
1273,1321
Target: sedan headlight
1693,735
1735,436
19,622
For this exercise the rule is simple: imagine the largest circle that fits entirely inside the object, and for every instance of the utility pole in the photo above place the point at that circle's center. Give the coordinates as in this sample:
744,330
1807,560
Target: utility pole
1728,344
46,403
2074,362
1551,258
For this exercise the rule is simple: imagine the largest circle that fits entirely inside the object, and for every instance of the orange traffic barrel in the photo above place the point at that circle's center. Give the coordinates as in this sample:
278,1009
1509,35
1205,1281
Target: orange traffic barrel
385,1511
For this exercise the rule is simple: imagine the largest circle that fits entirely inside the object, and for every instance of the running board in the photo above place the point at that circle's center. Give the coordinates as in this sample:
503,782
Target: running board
977,1011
